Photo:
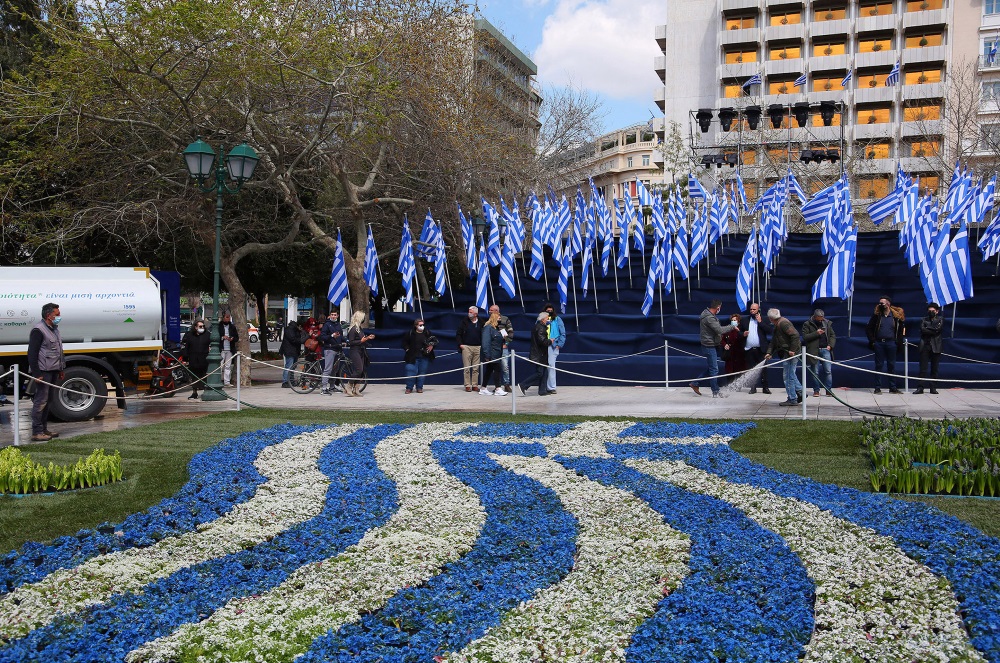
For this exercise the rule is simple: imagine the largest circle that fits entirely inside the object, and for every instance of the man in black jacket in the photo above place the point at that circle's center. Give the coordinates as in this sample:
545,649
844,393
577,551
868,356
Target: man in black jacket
229,341
540,355
886,330
930,346
757,331
470,338
331,338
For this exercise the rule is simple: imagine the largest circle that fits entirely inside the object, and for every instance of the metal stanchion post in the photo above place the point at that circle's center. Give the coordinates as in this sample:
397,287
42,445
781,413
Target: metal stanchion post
666,365
805,398
513,382
239,357
906,367
17,409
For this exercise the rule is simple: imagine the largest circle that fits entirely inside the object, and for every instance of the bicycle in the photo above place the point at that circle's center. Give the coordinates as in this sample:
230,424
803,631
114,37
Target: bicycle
308,375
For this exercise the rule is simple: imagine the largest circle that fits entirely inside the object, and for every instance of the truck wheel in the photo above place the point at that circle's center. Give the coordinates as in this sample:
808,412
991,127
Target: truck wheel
69,406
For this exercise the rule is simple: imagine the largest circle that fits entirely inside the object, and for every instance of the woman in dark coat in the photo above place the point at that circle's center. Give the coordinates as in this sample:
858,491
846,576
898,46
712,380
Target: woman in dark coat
491,349
733,348
291,346
357,343
418,345
196,344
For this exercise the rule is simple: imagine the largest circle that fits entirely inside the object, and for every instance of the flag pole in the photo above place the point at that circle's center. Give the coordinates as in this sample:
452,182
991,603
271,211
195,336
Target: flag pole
850,314
379,263
545,274
593,275
614,268
954,312
416,283
520,293
447,276
576,307
663,329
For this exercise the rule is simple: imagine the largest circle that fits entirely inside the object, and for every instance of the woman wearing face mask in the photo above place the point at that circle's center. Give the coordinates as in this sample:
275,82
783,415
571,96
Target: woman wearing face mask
733,344
195,344
419,347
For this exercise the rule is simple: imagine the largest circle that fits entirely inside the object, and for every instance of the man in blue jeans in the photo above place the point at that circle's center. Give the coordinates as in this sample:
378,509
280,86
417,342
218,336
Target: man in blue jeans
886,331
711,337
786,344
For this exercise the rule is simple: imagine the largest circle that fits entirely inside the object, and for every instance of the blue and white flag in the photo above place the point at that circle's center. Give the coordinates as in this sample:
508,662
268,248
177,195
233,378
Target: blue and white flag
696,192
920,250
428,241
951,278
659,222
563,219
493,243
837,280
482,279
793,186
588,249
537,269
371,263
744,201
407,265
992,55
507,280
642,193
565,274
799,82
699,238
714,219
338,276
515,229
651,279
744,279
469,239
893,76
882,209
440,266
675,212
820,208
680,251
628,218
756,79
847,78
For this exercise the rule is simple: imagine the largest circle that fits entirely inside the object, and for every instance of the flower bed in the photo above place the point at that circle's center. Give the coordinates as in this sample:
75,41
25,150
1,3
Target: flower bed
941,457
599,541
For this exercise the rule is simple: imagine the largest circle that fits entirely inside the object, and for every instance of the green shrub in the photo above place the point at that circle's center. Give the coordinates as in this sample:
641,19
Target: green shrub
20,475
946,457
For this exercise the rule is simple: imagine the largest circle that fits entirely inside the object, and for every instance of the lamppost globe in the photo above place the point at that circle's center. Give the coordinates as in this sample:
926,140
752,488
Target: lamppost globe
199,157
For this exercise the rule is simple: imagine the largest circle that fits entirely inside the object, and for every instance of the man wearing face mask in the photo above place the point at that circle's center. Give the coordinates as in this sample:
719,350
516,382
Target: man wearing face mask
930,346
886,331
757,332
196,343
46,364
229,339
470,339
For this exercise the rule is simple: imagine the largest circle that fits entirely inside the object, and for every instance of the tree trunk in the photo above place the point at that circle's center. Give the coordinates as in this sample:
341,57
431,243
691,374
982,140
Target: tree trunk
262,322
238,309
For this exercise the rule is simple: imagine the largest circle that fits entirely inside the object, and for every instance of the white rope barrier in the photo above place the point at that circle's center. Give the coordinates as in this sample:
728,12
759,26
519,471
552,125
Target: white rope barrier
969,359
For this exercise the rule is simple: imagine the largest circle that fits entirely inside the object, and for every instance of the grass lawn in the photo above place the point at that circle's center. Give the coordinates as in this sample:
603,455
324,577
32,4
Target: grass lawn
155,459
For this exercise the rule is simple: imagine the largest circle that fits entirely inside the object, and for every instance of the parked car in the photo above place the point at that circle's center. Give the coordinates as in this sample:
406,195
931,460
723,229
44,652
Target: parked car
253,333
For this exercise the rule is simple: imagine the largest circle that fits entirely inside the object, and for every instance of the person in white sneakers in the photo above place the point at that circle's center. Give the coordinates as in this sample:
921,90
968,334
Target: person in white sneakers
490,353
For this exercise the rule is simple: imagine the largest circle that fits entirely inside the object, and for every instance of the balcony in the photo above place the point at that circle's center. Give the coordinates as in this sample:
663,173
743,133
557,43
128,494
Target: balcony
784,67
924,91
872,23
729,5
876,59
826,135
792,31
862,166
924,54
660,67
829,62
783,99
661,37
660,97
824,28
741,36
835,93
864,95
872,131
925,19
922,128
727,72
922,164
989,66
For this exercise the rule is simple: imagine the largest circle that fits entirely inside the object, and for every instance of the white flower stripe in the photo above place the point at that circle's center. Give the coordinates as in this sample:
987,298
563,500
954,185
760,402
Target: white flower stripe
674,441
627,560
873,603
294,492
438,520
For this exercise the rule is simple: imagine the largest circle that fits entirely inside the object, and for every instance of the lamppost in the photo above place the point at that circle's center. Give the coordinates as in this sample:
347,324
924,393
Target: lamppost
201,163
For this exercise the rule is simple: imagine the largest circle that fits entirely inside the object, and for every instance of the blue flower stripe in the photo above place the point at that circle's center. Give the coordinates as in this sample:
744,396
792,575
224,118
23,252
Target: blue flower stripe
747,598
968,559
359,497
682,430
221,477
535,431
527,543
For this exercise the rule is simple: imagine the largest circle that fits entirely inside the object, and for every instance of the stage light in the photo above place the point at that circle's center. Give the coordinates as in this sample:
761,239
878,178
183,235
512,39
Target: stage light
801,111
752,114
777,113
704,117
726,117
827,109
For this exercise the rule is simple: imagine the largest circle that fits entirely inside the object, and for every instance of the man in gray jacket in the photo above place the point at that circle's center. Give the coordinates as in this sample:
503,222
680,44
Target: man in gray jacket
46,363
711,337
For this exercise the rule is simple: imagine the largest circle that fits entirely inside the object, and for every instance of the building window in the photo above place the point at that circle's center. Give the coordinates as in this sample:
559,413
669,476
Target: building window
878,8
829,48
628,162
877,115
741,22
645,159
991,89
989,138
874,44
873,187
919,41
816,120
823,84
737,57
925,148
784,52
929,184
991,7
923,5
877,151
921,76
831,14
732,91
786,18
780,87
921,113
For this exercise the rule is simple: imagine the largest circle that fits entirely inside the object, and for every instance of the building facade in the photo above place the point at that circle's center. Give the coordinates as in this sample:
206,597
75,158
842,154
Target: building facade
502,68
802,51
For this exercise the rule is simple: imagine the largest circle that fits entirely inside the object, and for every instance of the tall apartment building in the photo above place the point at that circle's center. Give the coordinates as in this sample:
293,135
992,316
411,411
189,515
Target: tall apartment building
711,48
503,68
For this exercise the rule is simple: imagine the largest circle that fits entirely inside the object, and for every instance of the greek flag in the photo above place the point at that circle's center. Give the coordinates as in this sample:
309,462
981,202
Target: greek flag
482,279
651,278
659,224
493,243
744,202
837,280
794,187
820,207
562,224
799,82
979,204
515,230
675,212
469,239
883,208
744,279
407,265
919,248
507,270
371,263
565,273
588,251
628,217
991,58
893,76
756,79
960,193
696,191
639,239
699,239
428,236
951,278
537,269
680,253
338,277
440,266
847,78
714,220
642,193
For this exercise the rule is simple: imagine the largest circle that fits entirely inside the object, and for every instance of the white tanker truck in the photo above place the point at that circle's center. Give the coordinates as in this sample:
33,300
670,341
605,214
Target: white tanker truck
113,323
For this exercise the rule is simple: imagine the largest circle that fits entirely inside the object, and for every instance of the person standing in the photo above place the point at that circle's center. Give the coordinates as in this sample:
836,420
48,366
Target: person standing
491,351
331,338
229,340
418,344
785,343
291,346
557,335
930,346
279,328
470,339
539,354
196,344
47,364
886,331
820,339
757,332
711,337
507,331
733,352
357,343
